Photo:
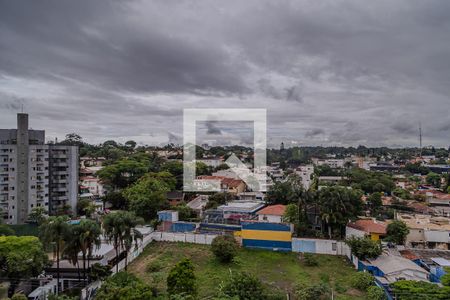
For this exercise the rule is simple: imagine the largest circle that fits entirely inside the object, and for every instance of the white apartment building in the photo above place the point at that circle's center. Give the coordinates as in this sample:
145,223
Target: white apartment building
27,168
305,173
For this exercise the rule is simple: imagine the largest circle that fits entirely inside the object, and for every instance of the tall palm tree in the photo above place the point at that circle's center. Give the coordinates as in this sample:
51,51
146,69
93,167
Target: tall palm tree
89,238
131,234
73,248
119,229
113,227
56,231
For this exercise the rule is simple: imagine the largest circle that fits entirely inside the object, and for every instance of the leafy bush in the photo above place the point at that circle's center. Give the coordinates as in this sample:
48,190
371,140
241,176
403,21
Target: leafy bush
124,286
396,232
224,248
154,266
375,293
19,297
312,291
6,230
310,260
99,271
364,247
181,279
244,286
362,281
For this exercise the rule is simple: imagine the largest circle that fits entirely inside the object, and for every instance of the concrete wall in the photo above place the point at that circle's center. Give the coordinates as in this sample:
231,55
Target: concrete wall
319,246
195,238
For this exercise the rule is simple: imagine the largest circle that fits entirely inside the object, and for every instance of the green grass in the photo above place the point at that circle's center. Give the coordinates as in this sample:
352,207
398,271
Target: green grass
279,271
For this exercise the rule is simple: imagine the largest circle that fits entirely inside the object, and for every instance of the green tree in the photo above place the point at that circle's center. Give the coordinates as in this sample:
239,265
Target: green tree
244,286
312,291
181,279
119,229
89,233
124,285
123,173
6,230
396,232
148,195
362,281
100,272
291,214
374,201
434,179
364,247
37,215
375,293
185,213
338,205
413,290
116,199
55,231
224,248
20,258
19,297
218,199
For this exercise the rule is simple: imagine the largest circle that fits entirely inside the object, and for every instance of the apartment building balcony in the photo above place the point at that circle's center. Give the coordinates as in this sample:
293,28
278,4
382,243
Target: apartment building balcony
60,198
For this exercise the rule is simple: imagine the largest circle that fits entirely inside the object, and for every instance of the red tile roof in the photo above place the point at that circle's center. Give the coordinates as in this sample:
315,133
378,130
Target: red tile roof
275,210
369,226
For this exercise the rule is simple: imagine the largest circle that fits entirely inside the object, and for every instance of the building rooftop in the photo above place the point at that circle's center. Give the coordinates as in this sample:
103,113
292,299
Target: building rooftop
369,226
389,264
275,210
425,222
242,206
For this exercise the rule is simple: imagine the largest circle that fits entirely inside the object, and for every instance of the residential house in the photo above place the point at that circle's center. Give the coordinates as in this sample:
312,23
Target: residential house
272,213
175,197
427,231
366,228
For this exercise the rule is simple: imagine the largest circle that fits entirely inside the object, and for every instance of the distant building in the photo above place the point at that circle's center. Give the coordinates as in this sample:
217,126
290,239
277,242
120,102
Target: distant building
175,197
35,174
427,232
272,213
331,162
305,173
229,185
211,162
373,229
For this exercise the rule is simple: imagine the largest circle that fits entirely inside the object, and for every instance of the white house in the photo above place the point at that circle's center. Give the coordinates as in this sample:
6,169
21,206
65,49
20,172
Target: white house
272,213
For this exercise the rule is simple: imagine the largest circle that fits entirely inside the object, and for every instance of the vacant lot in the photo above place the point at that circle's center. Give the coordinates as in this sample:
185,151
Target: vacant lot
278,270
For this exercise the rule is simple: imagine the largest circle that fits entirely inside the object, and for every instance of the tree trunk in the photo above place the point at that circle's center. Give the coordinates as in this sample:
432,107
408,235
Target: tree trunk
57,268
78,270
126,260
88,261
117,260
329,231
84,266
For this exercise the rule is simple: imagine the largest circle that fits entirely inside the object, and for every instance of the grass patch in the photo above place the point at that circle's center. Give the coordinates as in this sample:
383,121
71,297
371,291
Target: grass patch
279,271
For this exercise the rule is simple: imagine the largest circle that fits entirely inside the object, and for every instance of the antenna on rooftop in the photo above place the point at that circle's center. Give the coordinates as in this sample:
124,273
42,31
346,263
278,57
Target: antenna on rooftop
420,137
22,107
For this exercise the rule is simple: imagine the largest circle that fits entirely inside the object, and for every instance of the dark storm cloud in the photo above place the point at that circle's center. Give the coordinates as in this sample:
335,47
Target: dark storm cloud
361,72
212,128
314,132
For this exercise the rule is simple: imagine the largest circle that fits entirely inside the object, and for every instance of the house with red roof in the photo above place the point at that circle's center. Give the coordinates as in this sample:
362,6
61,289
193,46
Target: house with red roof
366,228
272,213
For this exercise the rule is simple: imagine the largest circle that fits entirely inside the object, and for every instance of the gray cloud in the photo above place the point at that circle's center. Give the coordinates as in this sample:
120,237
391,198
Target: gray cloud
119,69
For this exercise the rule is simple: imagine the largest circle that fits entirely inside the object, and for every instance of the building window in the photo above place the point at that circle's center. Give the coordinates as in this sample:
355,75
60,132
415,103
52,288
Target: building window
334,246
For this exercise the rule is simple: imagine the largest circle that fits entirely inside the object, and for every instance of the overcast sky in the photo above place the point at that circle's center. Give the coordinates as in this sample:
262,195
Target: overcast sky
328,72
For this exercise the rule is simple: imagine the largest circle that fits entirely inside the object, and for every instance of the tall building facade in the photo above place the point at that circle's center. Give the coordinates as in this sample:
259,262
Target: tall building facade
34,174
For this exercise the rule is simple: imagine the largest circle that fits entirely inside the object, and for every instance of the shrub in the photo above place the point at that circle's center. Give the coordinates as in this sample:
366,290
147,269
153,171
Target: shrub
154,266
99,271
364,247
181,279
224,248
396,232
19,297
375,293
362,281
244,286
310,260
312,291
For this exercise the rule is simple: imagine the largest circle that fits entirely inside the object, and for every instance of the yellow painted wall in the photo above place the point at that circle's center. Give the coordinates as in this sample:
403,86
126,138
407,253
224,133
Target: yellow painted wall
267,235
374,236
